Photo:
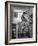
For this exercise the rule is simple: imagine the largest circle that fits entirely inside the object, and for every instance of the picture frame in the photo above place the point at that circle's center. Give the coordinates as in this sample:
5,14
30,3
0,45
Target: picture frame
20,22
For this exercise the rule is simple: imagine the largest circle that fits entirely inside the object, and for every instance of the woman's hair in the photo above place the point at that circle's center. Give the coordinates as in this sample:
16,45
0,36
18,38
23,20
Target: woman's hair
23,18
24,12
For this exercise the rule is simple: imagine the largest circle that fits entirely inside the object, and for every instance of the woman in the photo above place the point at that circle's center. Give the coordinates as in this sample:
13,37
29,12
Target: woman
23,26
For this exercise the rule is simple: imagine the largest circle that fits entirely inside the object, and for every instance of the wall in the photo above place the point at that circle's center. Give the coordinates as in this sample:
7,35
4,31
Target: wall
37,22
2,23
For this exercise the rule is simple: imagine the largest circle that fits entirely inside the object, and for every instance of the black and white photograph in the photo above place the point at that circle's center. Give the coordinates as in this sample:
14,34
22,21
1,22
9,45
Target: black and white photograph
20,22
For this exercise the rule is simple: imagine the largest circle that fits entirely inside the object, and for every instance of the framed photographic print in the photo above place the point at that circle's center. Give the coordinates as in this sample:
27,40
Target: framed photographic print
20,22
